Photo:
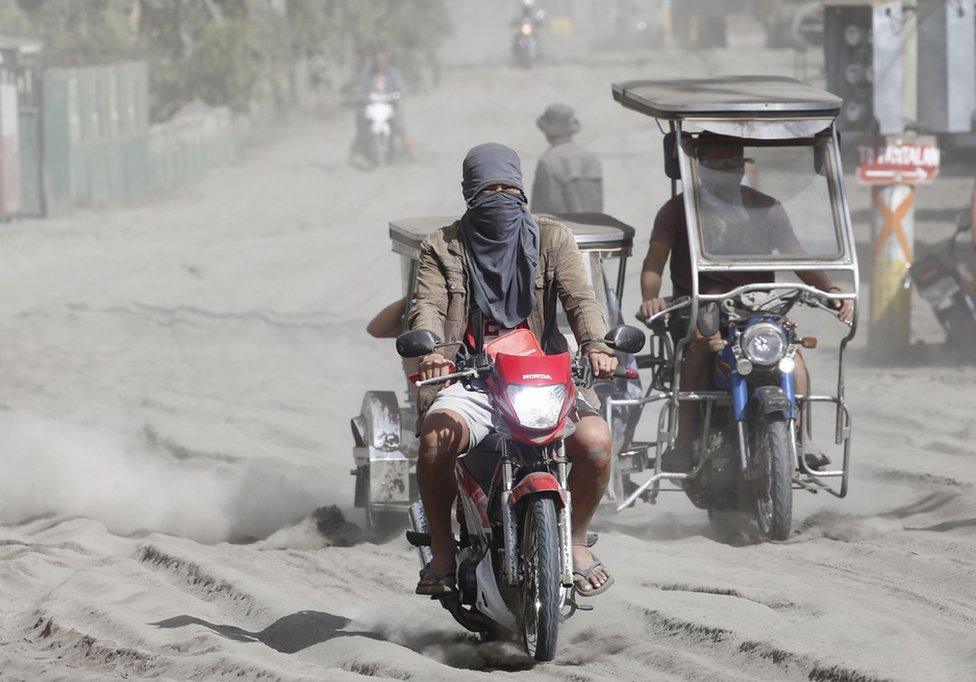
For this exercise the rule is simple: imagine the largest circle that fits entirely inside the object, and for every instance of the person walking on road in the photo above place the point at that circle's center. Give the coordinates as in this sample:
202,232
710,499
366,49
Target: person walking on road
568,179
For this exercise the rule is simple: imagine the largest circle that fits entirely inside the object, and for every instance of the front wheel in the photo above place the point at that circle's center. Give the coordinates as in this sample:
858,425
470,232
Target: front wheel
773,487
539,612
381,149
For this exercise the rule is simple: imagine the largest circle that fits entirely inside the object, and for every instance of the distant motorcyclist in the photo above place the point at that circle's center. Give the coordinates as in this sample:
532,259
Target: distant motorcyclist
496,269
529,12
569,178
525,45
379,77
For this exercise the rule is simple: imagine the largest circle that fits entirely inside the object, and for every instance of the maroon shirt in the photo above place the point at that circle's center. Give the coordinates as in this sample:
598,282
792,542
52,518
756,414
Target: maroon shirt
671,229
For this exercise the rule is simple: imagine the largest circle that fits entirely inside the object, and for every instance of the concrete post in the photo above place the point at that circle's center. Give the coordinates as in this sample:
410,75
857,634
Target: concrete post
946,65
909,60
893,234
887,36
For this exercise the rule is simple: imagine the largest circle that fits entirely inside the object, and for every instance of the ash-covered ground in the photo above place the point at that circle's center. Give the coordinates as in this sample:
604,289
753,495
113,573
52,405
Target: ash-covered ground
177,384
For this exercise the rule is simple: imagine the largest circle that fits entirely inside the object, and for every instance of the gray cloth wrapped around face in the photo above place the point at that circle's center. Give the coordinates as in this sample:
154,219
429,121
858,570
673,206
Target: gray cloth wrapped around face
500,237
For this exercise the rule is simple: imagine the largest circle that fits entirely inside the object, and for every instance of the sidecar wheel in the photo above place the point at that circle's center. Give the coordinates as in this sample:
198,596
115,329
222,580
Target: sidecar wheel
382,524
540,589
773,491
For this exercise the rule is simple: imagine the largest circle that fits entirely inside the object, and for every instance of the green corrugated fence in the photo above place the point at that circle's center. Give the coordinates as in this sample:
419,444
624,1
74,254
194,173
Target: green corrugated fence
99,147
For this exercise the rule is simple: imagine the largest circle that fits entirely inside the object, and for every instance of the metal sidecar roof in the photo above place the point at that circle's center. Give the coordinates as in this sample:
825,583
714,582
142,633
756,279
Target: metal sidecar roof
593,232
727,97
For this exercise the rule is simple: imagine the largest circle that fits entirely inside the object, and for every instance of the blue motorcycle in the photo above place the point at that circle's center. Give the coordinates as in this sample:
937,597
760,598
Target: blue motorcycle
748,454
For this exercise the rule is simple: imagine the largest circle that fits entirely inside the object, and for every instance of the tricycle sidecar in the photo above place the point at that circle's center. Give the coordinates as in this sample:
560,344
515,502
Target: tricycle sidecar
385,445
785,211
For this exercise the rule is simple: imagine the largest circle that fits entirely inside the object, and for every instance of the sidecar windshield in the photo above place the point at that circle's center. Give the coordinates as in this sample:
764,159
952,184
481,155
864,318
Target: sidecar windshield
764,200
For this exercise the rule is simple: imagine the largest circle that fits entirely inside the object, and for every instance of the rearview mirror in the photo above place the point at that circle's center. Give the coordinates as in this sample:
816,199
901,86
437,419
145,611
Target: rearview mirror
671,167
417,343
625,338
709,320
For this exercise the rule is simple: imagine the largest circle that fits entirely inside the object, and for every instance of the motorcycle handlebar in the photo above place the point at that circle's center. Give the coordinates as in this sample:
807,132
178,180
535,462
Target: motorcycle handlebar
384,97
445,378
620,373
676,305
626,373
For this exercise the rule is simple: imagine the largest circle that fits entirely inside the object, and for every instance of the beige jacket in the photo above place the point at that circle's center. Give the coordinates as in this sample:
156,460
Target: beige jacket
442,299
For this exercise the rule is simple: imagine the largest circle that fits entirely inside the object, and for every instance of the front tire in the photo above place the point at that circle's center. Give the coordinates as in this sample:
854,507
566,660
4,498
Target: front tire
379,151
539,608
773,487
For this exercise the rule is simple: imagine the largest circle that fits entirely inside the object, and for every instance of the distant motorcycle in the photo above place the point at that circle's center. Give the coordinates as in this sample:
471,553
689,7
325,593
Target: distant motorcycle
525,44
514,561
377,143
949,289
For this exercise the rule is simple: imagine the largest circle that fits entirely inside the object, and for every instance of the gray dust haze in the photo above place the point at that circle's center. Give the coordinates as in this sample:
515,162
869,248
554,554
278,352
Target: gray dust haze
181,352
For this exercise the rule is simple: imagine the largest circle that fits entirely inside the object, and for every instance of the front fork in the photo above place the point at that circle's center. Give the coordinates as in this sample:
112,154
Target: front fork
510,569
740,407
565,519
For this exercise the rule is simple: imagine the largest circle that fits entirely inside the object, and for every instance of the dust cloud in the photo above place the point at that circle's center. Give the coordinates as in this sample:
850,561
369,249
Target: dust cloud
58,468
177,376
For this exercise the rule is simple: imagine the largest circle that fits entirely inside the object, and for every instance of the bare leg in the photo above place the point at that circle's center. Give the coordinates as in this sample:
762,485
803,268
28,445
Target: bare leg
694,377
443,438
814,458
589,450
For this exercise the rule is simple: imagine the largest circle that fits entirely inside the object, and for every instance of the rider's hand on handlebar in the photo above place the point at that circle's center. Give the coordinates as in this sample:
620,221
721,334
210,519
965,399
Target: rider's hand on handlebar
435,365
603,364
652,307
845,308
715,342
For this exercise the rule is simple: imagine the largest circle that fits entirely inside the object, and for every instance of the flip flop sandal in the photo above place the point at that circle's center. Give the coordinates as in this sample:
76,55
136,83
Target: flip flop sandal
435,585
585,574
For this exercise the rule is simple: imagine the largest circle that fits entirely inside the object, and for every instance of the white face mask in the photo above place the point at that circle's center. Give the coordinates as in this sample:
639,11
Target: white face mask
722,182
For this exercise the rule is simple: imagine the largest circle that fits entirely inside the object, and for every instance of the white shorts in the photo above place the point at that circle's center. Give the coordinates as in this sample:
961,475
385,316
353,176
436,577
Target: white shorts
475,408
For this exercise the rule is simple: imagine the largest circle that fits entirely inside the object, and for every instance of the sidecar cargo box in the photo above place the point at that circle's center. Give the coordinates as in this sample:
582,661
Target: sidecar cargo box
593,232
728,97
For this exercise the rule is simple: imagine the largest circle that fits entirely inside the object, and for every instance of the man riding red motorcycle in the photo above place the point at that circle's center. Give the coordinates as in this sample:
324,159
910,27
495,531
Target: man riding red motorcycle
495,270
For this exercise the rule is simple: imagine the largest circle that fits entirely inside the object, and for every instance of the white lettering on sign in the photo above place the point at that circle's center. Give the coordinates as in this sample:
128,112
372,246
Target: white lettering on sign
897,161
537,376
905,155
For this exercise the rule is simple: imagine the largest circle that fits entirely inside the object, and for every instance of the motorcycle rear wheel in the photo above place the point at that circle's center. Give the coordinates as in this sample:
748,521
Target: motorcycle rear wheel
773,492
540,589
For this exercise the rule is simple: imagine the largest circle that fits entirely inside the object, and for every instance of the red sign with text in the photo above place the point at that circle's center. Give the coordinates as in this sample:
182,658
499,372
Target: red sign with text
898,161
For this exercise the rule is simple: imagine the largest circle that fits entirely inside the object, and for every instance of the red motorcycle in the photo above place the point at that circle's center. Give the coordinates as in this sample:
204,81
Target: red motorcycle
514,561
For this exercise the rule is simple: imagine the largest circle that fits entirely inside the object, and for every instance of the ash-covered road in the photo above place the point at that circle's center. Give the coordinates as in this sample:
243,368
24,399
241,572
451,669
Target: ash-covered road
177,383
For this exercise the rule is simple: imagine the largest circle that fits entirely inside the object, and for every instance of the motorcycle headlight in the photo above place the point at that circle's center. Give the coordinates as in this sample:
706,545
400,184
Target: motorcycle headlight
537,407
526,29
764,343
